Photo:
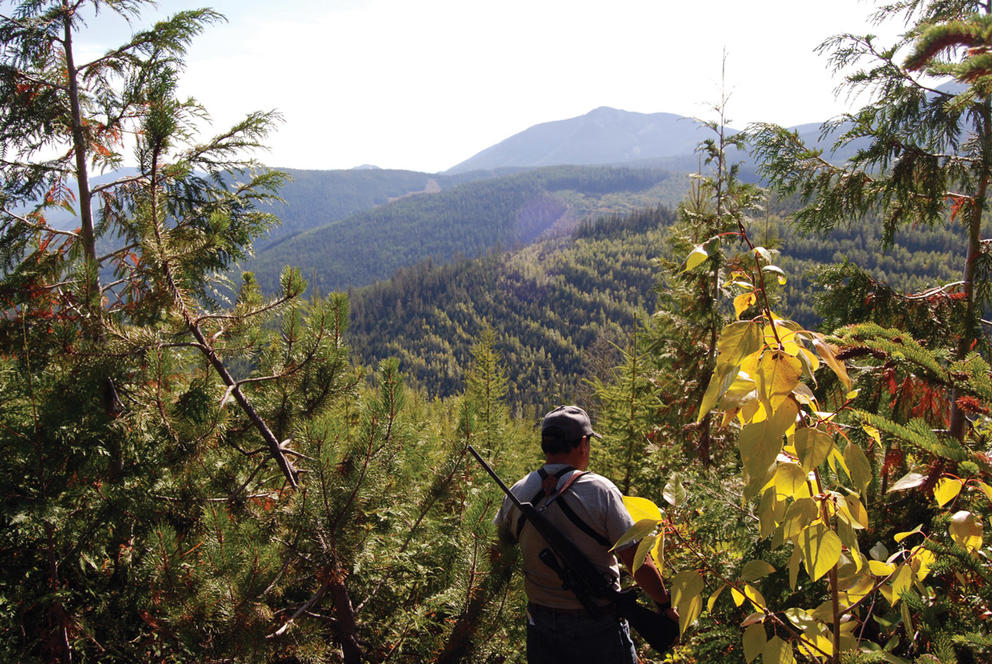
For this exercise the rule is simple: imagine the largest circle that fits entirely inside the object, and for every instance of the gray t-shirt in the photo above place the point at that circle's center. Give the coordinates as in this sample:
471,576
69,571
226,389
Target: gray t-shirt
596,501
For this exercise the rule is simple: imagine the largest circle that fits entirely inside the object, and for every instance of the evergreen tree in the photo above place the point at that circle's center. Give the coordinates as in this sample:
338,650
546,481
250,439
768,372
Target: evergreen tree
485,392
926,154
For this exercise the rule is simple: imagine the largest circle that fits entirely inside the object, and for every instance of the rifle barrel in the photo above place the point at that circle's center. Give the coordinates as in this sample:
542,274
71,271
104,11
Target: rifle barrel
492,473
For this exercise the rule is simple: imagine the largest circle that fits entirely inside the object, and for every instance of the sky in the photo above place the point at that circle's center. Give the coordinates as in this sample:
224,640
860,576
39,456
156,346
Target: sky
425,84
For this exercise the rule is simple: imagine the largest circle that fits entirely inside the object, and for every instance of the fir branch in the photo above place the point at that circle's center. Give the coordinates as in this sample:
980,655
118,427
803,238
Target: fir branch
916,434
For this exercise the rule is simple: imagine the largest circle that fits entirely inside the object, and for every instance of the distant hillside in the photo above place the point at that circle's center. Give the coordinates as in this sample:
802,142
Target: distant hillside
551,305
466,220
603,136
316,198
558,304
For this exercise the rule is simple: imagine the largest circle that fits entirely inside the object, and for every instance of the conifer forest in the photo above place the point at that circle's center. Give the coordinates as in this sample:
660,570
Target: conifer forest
205,457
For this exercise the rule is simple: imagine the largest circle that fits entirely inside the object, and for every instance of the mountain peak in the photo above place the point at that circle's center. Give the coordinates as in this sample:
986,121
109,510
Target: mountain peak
604,135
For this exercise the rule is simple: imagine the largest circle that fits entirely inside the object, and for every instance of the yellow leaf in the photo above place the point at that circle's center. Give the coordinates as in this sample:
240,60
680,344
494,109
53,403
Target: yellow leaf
689,612
857,512
695,258
743,302
791,481
658,551
947,489
712,600
757,599
810,362
985,488
900,582
858,587
878,568
821,550
776,376
738,340
826,351
794,561
737,596
686,584
922,561
687,588
641,508
872,433
966,530
643,550
798,516
903,535
723,377
761,442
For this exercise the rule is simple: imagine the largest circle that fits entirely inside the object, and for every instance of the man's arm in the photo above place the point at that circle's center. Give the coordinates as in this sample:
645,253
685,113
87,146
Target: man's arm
649,579
647,576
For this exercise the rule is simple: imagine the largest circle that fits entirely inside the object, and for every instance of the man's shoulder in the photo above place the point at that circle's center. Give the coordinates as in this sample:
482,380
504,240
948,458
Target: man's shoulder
596,480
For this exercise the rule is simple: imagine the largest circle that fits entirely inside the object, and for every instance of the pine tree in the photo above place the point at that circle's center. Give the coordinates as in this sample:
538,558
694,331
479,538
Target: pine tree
926,149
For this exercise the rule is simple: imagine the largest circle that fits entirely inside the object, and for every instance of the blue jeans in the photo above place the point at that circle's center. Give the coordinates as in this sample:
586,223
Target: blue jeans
572,637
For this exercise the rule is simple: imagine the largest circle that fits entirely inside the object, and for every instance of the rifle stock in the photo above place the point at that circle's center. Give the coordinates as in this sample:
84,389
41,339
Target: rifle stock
587,582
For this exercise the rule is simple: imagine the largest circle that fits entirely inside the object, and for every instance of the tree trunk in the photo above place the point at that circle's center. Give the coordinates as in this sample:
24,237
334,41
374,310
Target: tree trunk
344,613
80,150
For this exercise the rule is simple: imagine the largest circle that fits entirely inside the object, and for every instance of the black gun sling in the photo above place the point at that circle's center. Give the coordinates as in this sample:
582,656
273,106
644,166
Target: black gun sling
559,498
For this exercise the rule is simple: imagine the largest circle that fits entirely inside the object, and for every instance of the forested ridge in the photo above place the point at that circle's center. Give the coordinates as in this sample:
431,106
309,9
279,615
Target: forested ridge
466,220
560,306
200,468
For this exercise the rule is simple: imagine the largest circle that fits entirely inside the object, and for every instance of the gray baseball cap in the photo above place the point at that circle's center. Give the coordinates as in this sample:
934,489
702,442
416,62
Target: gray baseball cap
567,423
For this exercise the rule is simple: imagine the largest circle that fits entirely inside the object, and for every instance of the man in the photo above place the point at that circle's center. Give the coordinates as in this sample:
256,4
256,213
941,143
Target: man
588,509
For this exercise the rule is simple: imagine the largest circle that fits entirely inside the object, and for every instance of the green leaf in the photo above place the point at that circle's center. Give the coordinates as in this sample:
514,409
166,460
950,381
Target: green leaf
674,493
756,569
859,466
639,530
813,447
777,651
754,641
821,549
687,588
643,551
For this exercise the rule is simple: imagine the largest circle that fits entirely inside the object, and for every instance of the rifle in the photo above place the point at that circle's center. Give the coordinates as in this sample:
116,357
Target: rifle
587,582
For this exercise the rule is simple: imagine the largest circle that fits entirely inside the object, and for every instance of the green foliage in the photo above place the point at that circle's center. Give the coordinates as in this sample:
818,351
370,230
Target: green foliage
547,303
